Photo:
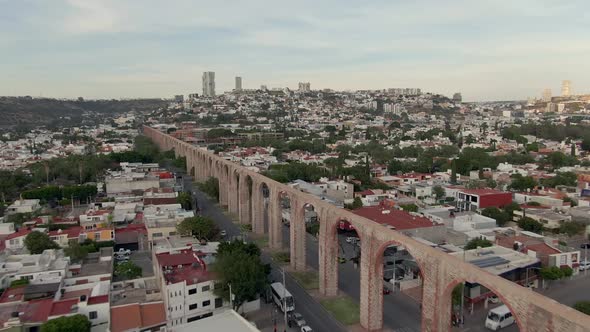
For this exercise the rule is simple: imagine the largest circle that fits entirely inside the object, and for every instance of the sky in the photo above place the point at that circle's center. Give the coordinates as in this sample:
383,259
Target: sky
485,49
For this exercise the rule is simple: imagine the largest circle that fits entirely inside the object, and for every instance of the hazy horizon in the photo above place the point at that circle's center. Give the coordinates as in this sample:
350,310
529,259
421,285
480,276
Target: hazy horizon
487,50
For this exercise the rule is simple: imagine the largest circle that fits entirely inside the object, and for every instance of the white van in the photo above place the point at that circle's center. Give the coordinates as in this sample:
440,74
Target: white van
499,317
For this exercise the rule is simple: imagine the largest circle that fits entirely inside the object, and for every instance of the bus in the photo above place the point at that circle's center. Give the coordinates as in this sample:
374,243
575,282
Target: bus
282,297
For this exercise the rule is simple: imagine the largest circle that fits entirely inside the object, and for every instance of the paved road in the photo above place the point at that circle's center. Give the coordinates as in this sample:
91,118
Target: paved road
315,315
400,312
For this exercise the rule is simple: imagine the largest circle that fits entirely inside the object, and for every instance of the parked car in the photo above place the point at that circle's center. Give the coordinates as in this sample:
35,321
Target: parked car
306,329
223,233
584,265
493,299
352,239
123,251
121,258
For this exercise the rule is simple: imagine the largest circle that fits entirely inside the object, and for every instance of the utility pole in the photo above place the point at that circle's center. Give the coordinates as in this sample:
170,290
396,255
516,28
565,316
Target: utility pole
462,293
231,300
284,299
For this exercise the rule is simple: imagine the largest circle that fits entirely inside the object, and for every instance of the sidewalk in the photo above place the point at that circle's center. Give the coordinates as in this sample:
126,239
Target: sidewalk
266,315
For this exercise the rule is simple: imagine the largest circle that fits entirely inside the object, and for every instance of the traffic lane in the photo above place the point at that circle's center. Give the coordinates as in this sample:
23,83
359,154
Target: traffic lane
305,304
315,316
399,310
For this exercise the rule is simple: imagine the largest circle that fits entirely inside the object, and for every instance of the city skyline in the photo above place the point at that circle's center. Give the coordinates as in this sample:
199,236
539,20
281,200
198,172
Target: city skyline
487,50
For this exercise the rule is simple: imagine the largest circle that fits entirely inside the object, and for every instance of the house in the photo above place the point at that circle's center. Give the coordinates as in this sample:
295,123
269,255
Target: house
538,246
549,219
500,261
64,237
187,287
474,199
16,240
138,317
24,206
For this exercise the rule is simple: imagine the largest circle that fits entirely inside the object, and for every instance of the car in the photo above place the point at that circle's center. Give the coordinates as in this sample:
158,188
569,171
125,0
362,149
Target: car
352,239
123,251
121,258
223,232
306,329
493,299
584,265
585,246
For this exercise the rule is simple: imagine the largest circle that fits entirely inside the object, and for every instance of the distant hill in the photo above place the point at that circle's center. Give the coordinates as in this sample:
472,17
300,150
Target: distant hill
16,111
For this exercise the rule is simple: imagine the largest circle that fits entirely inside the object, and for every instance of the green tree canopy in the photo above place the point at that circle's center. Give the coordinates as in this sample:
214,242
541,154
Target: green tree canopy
128,270
478,242
583,306
185,199
36,242
551,273
200,227
522,183
439,192
531,225
239,264
75,323
501,217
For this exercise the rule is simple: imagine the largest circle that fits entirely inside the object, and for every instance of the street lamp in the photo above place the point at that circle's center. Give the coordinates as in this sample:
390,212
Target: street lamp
527,277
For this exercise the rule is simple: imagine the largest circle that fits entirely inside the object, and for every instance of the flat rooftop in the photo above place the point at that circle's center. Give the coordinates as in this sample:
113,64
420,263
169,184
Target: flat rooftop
226,321
496,259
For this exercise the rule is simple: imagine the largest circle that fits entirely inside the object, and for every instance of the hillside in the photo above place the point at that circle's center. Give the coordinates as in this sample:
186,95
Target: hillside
27,111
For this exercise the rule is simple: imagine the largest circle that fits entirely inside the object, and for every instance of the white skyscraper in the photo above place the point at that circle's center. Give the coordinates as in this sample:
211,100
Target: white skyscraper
209,84
547,95
238,83
566,88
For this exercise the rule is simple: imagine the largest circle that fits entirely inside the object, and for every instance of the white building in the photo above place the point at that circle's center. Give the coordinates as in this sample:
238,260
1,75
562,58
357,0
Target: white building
187,287
23,206
209,84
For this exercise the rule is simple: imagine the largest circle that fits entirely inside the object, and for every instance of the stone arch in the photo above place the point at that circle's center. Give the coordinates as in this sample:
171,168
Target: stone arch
447,300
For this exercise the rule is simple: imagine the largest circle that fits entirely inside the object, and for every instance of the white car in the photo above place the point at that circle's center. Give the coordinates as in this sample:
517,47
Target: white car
306,328
584,265
124,252
352,239
493,299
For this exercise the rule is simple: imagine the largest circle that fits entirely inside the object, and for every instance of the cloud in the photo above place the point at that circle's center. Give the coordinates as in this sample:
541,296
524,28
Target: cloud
484,49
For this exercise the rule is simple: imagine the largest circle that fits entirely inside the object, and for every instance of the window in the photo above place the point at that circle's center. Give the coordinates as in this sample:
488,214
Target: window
157,235
97,236
206,303
93,315
192,306
172,233
218,302
205,288
192,291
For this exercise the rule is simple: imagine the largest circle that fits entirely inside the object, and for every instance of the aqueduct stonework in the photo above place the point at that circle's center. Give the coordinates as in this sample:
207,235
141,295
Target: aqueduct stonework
240,191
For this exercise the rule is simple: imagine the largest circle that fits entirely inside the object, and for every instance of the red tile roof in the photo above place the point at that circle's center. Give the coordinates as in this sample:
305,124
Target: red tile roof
399,219
63,307
37,310
483,192
72,232
98,299
13,294
184,257
21,232
137,316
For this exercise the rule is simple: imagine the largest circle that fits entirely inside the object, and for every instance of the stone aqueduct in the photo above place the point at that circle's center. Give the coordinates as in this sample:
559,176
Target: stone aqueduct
440,271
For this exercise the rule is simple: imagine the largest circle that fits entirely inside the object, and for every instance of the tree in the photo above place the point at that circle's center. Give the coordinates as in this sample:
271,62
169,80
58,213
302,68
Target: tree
76,252
210,187
478,242
583,306
185,199
561,179
501,217
551,273
522,183
239,264
128,270
567,271
456,295
571,228
36,242
531,225
75,323
453,172
409,207
357,203
439,192
200,227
